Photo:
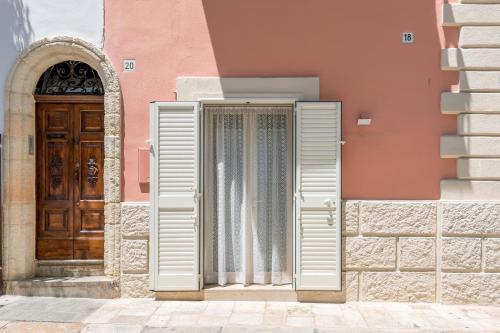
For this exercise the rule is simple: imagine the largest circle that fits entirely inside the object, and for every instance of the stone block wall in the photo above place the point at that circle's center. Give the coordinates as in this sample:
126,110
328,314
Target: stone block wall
134,268
399,251
422,251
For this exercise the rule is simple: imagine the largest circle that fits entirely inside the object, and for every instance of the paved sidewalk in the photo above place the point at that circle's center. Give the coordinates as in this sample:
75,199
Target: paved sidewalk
71,315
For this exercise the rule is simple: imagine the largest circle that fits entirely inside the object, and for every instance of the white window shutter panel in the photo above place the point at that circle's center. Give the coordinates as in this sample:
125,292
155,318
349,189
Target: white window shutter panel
317,201
174,196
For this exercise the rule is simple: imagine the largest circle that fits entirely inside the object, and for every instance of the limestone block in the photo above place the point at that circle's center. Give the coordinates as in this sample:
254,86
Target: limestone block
470,59
453,146
461,253
112,249
350,217
471,14
135,285
398,217
135,219
478,168
471,218
370,252
112,103
398,286
453,103
112,124
492,254
112,147
479,124
352,286
485,81
479,37
417,253
134,256
457,189
470,288
112,184
112,213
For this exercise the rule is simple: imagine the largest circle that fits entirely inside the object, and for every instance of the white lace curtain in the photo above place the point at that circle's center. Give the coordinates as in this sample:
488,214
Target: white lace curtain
248,195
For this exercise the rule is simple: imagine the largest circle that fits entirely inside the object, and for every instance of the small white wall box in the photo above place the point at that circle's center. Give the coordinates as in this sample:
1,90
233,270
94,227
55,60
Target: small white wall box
364,121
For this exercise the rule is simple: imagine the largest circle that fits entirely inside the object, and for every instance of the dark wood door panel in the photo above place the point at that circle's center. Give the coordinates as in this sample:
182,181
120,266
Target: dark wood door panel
89,248
70,184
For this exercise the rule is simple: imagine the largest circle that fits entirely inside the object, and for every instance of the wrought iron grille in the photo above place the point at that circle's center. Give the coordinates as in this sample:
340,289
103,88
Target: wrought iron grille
70,77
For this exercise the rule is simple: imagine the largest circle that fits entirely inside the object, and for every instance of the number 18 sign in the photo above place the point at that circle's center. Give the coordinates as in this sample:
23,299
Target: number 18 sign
408,38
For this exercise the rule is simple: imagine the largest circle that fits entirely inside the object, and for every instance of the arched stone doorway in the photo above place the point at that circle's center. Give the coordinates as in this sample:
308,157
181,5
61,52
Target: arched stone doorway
19,162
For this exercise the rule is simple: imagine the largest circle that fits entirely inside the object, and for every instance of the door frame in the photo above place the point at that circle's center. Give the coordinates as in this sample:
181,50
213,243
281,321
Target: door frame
203,144
274,99
19,166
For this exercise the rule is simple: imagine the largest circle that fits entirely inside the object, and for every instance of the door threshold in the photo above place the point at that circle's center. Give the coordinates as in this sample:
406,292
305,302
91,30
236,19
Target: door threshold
69,268
234,292
239,292
70,262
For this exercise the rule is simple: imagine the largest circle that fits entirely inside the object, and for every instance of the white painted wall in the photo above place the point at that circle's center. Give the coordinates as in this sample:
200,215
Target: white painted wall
25,21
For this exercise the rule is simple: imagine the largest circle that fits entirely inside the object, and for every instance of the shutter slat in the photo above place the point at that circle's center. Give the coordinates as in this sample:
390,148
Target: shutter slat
318,179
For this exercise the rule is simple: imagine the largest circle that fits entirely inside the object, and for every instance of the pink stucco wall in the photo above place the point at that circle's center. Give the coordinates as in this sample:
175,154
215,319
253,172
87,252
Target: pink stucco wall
353,46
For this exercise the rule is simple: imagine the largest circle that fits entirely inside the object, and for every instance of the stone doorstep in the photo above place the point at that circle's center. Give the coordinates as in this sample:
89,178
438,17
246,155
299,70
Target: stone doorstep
86,287
69,268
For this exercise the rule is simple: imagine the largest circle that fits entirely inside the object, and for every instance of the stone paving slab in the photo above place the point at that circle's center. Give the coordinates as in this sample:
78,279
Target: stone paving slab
150,316
36,327
49,309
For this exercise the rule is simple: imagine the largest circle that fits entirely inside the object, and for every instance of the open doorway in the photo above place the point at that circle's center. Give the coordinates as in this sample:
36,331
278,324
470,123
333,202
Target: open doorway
248,173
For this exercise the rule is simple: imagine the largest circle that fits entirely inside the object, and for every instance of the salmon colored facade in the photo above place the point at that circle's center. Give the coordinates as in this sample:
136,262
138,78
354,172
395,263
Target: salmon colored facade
301,144
355,49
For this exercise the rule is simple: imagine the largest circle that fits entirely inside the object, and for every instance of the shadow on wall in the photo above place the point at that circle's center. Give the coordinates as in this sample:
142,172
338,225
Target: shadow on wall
16,33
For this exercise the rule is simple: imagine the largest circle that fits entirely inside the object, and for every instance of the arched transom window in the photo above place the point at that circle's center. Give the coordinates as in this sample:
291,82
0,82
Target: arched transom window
70,77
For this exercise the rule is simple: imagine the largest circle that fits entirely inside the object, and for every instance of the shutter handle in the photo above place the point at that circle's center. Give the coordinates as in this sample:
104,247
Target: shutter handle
328,203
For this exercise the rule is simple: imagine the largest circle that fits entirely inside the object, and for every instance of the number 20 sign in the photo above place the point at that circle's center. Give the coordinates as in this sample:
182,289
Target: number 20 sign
408,38
129,65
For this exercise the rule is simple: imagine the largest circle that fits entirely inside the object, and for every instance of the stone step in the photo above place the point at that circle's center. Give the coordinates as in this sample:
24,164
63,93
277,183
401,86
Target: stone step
68,268
471,14
87,287
454,103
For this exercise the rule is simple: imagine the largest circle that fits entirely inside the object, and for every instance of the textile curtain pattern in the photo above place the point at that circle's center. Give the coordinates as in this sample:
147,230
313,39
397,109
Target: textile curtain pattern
248,195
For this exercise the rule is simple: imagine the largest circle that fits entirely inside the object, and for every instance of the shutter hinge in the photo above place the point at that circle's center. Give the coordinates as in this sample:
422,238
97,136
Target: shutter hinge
342,142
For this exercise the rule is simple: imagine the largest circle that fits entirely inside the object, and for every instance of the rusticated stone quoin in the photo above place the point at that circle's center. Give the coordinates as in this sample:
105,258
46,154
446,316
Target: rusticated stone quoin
471,218
134,255
398,286
350,217
135,285
492,254
470,288
398,218
135,220
352,286
461,253
370,253
417,253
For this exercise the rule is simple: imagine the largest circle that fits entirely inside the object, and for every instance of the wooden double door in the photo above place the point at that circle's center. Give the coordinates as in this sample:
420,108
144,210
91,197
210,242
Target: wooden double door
70,184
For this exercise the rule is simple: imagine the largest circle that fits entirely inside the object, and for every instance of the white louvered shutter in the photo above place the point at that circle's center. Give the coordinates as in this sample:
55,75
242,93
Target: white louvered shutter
174,196
317,201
